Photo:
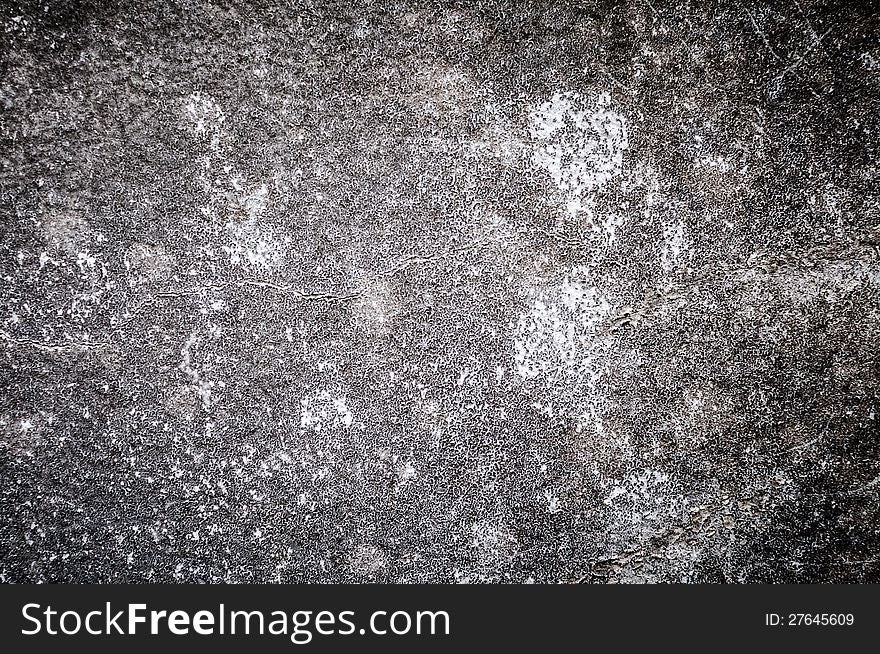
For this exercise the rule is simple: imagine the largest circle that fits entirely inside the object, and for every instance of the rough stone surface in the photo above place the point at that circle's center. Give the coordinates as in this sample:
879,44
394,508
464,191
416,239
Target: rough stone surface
438,292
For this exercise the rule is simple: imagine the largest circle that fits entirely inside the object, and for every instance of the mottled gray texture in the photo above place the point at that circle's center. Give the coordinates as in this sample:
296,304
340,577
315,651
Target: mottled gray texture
300,291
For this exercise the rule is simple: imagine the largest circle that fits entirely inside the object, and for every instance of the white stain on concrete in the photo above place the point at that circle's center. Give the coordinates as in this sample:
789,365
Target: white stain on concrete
235,209
580,144
560,334
204,117
325,410
562,342
203,388
376,305
673,244
250,245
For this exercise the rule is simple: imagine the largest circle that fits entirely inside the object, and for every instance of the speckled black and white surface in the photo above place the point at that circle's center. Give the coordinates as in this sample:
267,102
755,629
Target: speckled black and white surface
439,292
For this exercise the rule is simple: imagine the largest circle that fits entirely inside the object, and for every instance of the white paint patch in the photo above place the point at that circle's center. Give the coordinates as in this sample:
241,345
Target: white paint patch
562,342
559,334
203,388
325,410
67,233
673,244
376,305
252,246
405,473
205,117
553,503
235,207
580,144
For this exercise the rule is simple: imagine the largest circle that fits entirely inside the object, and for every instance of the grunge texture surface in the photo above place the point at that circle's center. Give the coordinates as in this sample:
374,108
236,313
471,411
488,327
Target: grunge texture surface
439,292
